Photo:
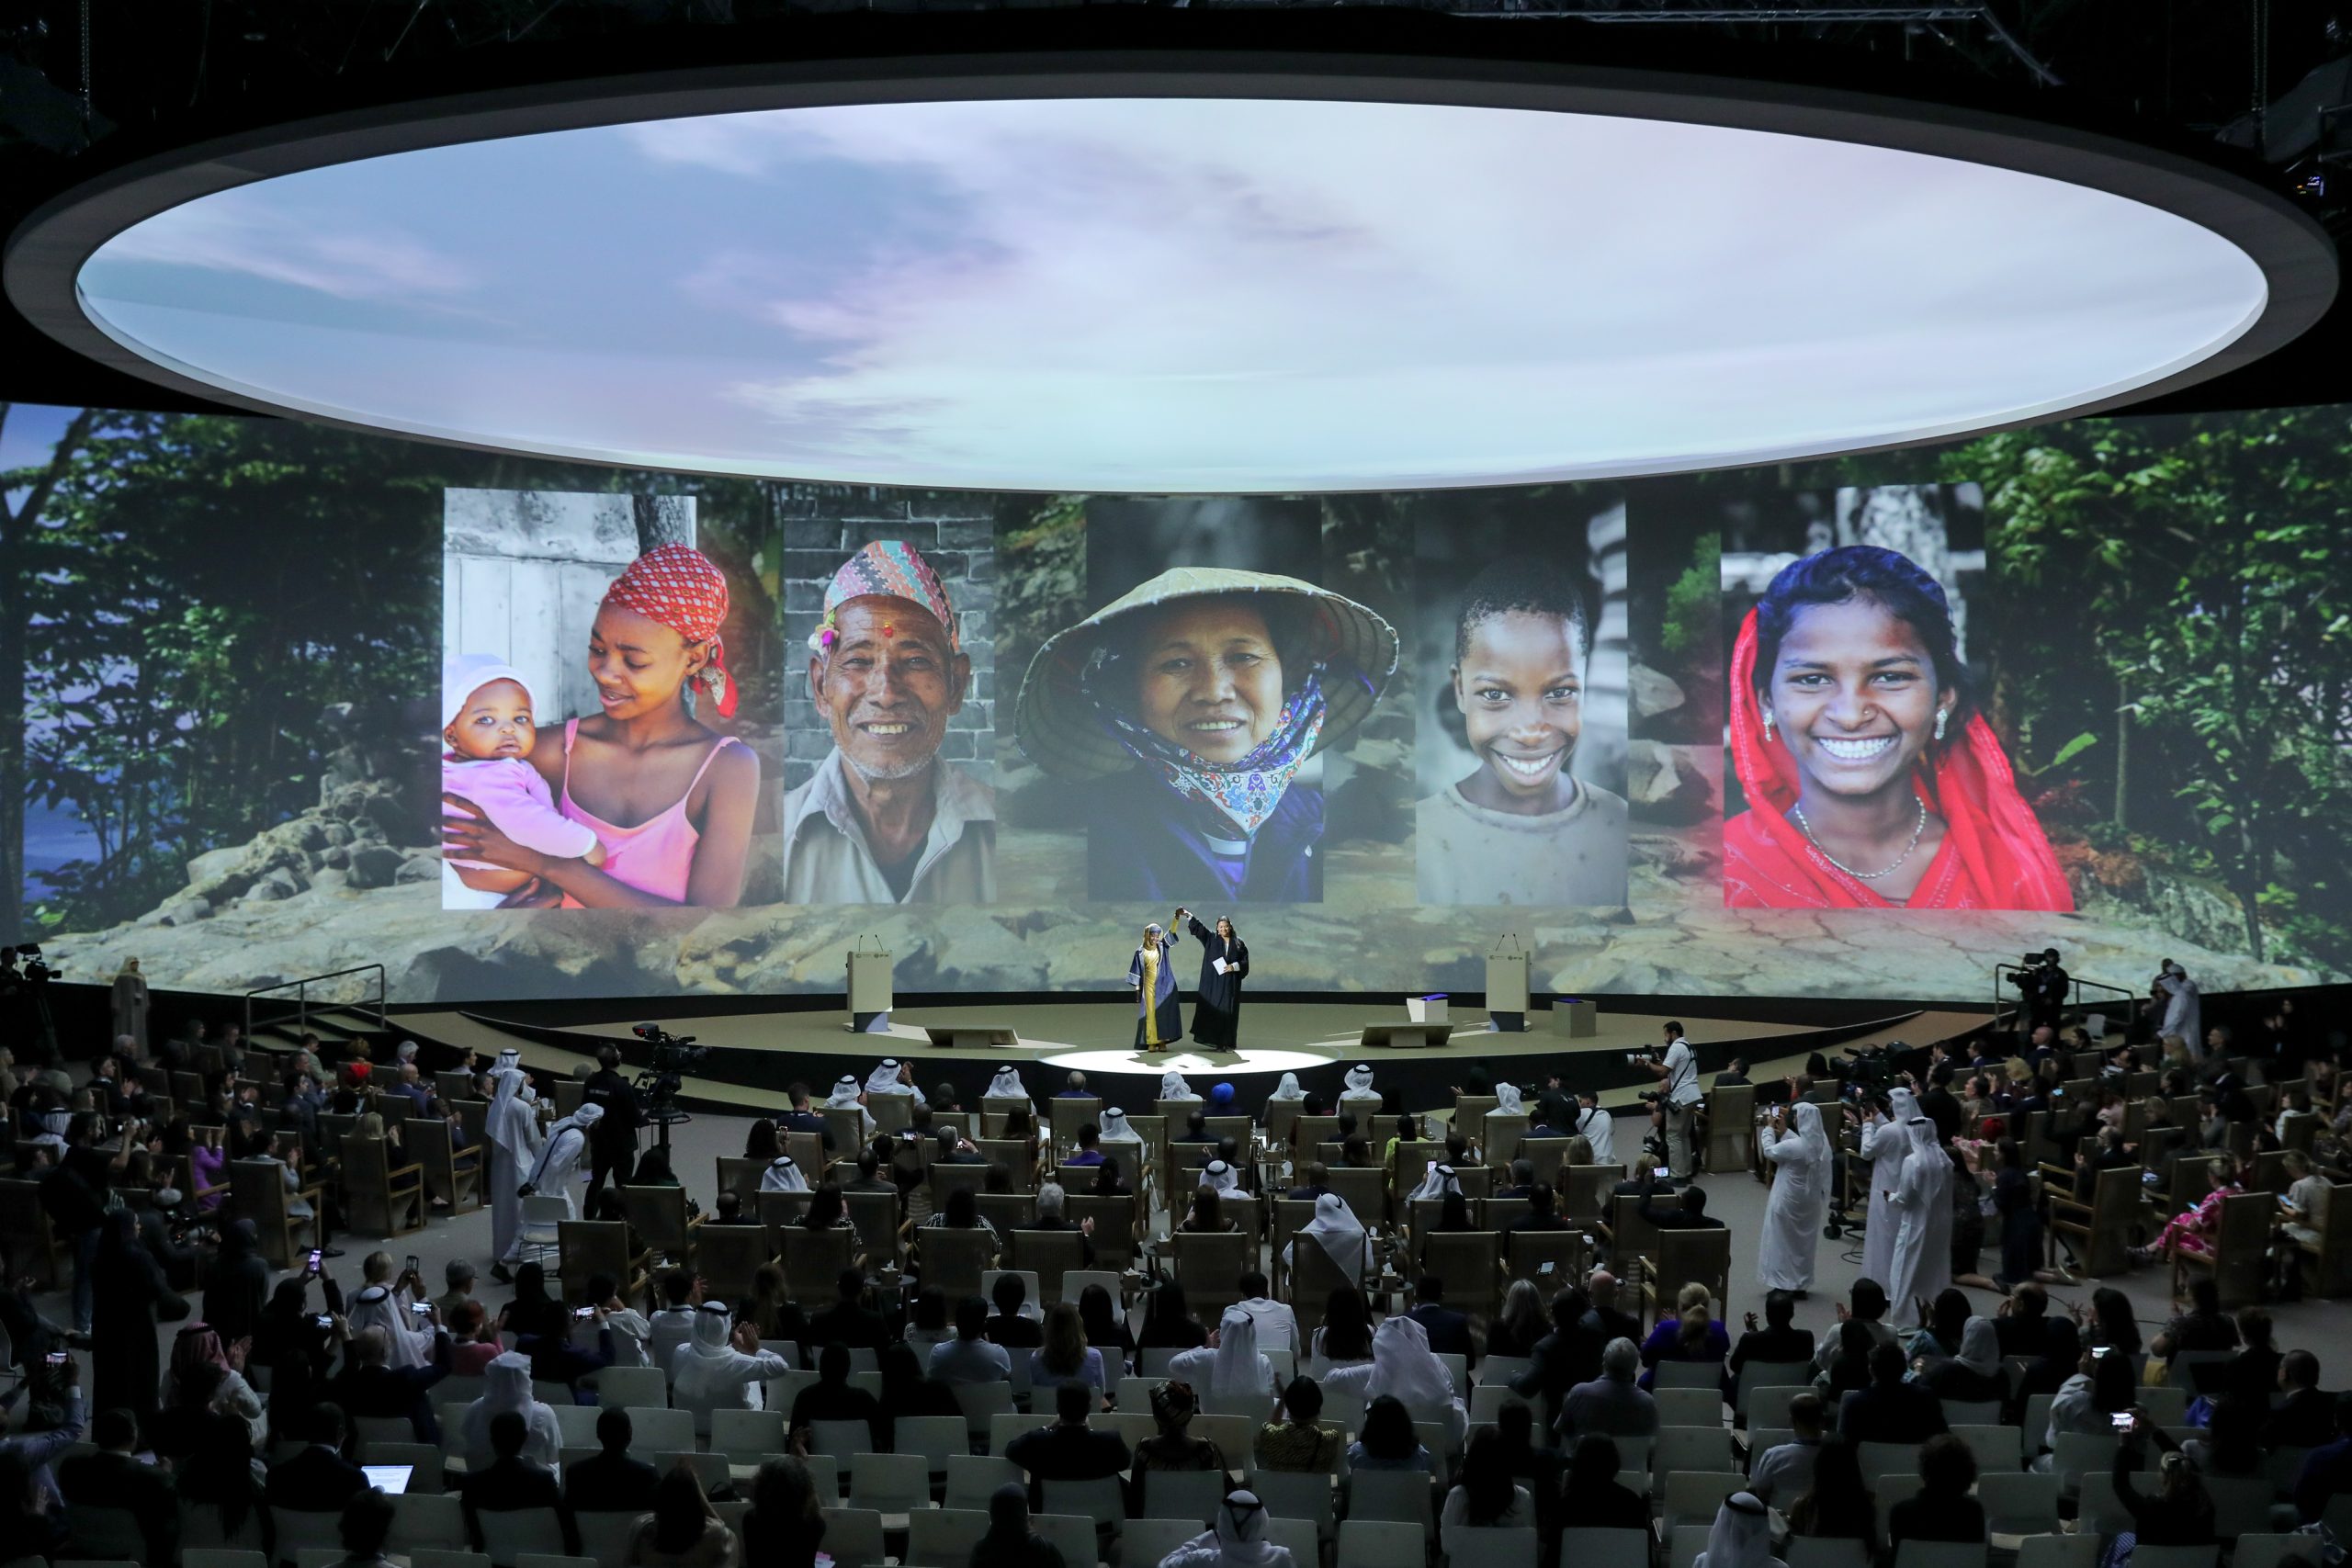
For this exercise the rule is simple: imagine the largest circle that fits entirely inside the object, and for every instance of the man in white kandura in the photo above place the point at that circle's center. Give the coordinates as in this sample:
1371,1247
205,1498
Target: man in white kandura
512,1126
1922,1266
557,1171
1794,1141
1885,1144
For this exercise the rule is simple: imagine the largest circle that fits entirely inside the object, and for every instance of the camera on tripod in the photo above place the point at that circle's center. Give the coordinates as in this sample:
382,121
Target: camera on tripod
36,969
673,1055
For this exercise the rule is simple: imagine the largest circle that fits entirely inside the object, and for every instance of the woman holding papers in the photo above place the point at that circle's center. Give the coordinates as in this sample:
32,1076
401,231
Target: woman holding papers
1225,962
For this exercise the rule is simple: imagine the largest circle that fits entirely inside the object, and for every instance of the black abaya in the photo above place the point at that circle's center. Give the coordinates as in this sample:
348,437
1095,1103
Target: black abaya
1216,1016
130,1285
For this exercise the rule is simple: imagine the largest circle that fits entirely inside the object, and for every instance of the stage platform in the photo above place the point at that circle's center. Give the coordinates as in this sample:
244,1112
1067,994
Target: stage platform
754,1054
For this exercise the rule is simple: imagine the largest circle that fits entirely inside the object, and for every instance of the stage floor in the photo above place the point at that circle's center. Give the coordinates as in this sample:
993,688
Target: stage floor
1097,1038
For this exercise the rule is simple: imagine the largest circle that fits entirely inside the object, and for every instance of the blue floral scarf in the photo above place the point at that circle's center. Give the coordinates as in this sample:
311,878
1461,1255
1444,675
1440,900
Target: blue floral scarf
1247,792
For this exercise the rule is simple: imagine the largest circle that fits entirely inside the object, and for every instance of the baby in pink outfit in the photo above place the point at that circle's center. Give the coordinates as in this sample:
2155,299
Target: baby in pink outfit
486,724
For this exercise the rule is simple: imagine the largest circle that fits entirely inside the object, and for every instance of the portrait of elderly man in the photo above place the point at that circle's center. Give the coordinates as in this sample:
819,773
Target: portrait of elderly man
886,819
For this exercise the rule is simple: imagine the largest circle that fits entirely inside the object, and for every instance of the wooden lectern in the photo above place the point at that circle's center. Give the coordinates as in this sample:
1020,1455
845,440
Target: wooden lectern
1507,989
869,988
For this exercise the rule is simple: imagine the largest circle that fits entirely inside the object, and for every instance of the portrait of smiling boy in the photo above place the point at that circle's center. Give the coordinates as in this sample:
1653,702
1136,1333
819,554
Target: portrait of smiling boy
1520,828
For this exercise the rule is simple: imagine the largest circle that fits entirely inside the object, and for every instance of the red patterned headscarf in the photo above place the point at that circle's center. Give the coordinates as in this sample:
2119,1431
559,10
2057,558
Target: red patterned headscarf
678,586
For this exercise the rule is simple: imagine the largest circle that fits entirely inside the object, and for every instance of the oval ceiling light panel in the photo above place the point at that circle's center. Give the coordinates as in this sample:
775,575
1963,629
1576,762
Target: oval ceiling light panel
1207,293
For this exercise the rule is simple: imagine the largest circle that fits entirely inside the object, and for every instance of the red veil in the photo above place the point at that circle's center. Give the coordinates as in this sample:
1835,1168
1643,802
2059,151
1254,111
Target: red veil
1995,855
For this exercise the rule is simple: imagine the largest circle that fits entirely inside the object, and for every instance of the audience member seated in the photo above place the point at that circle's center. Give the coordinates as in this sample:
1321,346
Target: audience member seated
1837,1505
114,1478
1783,1472
1591,1497
722,1366
1602,1317
1172,1447
1514,1330
1063,1356
1070,1449
1106,1329
1448,1331
1866,1304
1009,1542
1484,1494
849,1321
511,1483
1693,1334
319,1477
2327,1469
832,1397
2304,1418
472,1348
1403,1368
609,1482
1741,1535
971,1356
1890,1410
1388,1440
365,1528
1294,1440
1974,1375
1942,1509
2101,1389
1277,1325
1778,1343
1612,1405
674,1321
786,1523
683,1530
1016,1326
1168,1322
2204,1327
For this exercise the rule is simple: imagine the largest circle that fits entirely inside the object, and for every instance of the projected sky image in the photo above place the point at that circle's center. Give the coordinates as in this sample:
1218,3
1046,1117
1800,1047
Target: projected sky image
1123,295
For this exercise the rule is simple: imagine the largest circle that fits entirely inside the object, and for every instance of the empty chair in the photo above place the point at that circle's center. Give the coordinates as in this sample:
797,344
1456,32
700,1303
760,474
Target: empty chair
853,1537
1072,1534
1689,1406
1826,1551
1372,1543
1189,1494
972,1479
509,1534
1955,1554
944,1538
2078,1550
890,1483
2175,1556
228,1557
2252,1551
1392,1494
1692,1498
1607,1548
1490,1546
2018,1504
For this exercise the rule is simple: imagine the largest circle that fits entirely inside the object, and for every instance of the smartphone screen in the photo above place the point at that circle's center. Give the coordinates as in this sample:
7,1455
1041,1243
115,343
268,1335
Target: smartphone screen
1662,1173
58,1358
2122,1420
318,1256
583,1312
412,1264
2098,1350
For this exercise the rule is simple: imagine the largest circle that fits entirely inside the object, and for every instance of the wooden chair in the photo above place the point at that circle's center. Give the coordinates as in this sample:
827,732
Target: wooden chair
1284,1217
1049,1255
2101,1229
1115,1225
1313,1277
874,1215
1365,1191
728,1256
809,1152
373,1187
1583,1191
1504,1134
1070,1113
781,1209
1469,1264
813,1260
2241,1240
952,1260
1547,1155
1008,1211
658,1215
846,1124
1014,1156
741,1176
946,1179
1470,1114
1413,1161
258,1193
1209,1266
1731,1127
453,1178
584,1248
1693,1257
33,1240
2328,1262
1569,1254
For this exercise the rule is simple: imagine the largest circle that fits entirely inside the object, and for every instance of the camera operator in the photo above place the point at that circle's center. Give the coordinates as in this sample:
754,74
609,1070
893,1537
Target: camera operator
2045,986
612,1142
1678,1070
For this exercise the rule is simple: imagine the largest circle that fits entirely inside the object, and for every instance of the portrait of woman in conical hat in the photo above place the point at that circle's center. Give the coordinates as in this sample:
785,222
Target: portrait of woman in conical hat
1183,710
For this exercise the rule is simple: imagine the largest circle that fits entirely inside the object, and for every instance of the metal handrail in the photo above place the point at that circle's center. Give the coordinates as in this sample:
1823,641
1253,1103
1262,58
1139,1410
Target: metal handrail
301,989
2076,985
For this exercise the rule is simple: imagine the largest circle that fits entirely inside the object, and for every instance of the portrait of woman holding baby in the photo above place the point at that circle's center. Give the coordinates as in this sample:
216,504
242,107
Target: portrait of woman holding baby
640,806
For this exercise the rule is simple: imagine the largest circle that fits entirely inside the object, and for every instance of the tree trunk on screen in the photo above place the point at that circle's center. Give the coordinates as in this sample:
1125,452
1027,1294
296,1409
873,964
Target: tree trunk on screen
19,531
2122,754
663,520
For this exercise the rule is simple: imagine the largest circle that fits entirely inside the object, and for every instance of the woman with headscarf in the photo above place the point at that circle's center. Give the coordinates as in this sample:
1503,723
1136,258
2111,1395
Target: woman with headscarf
655,639
1237,1539
1172,1447
409,1336
1356,1092
1153,978
1337,1231
1922,1201
850,1095
1225,963
1742,1536
1793,1142
784,1175
506,1386
129,1293
237,1288
1870,780
557,1171
1885,1144
1009,1542
511,1126
1189,704
1975,1376
1173,1087
1403,1368
1230,1368
722,1367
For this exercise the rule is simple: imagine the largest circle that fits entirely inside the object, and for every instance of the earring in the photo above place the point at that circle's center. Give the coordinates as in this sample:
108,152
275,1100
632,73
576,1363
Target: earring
1941,714
1767,724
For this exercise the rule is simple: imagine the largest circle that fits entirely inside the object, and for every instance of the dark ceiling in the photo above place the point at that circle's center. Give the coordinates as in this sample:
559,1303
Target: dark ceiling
2216,78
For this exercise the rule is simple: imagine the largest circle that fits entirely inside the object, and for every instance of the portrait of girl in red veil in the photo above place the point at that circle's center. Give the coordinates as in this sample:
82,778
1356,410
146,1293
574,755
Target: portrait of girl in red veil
1870,780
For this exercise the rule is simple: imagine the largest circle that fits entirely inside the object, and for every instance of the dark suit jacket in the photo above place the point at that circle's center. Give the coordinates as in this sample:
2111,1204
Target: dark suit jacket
2022,1336
317,1480
1771,1347
1560,1363
1929,1517
117,1481
1015,1333
389,1391
609,1484
1897,1413
1069,1453
2304,1419
1449,1331
510,1484
852,1325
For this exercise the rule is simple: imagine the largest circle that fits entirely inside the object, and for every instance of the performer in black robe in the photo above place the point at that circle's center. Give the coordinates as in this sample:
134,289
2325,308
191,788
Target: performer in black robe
1216,1016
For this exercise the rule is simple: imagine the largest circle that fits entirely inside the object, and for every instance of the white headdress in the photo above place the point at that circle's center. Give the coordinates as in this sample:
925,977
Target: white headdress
783,1175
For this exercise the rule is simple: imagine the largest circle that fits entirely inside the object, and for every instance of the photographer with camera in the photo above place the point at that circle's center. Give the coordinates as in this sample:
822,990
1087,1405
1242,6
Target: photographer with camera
1678,1068
612,1142
2044,984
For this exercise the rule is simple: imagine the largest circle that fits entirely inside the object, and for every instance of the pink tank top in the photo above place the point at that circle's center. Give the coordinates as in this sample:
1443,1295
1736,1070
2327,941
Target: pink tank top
658,854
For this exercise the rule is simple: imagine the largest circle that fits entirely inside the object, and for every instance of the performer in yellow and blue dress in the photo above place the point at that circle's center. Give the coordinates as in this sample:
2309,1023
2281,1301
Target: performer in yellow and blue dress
1157,1023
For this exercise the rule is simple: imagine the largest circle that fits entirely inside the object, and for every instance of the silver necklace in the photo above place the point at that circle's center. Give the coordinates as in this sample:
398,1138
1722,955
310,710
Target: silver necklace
1917,828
